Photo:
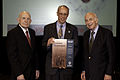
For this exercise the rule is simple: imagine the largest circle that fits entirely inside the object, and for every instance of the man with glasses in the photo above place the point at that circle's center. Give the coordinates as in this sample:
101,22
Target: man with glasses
59,30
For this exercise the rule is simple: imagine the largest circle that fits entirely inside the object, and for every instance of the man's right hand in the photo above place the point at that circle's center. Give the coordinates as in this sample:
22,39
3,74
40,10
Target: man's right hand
83,75
50,41
21,77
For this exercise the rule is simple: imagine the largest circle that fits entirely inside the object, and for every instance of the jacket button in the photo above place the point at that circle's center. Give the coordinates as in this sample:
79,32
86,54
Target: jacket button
89,57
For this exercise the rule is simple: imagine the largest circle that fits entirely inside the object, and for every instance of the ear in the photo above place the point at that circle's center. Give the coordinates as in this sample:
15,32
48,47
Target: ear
18,19
30,20
96,19
67,14
57,13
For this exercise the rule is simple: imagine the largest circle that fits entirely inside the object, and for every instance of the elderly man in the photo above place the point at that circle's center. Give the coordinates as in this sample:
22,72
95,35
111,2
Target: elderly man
99,50
21,50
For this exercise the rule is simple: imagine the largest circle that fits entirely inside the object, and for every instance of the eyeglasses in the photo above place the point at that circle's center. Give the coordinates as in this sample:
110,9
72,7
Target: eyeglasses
62,14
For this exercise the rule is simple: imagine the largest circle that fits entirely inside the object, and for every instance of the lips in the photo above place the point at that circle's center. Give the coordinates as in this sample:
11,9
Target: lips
90,24
62,19
25,24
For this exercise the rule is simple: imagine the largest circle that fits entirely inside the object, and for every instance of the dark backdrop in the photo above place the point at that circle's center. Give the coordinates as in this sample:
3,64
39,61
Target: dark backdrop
5,66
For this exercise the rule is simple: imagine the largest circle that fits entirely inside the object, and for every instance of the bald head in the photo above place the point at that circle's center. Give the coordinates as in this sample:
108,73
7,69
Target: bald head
24,12
91,20
24,19
91,14
63,6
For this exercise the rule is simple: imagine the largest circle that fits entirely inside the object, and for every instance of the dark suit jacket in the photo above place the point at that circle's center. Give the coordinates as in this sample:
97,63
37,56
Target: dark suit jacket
21,56
51,31
102,54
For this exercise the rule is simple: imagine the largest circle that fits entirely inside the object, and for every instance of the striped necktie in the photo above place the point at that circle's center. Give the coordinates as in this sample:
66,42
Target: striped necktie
91,41
60,33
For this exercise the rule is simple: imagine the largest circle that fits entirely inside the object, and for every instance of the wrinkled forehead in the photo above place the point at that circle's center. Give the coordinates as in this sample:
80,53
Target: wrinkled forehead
24,14
90,15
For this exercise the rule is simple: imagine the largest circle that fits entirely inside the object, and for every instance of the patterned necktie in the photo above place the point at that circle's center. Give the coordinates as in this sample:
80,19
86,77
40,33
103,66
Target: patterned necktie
91,41
28,38
60,33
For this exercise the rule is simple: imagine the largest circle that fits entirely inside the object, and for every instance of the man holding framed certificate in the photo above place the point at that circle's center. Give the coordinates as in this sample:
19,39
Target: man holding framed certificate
55,40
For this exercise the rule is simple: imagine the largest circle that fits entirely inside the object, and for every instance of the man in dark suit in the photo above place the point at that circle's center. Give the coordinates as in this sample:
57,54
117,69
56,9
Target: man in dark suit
21,50
99,50
51,32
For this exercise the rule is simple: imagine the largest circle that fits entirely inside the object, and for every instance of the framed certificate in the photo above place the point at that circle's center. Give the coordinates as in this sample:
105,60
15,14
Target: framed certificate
62,53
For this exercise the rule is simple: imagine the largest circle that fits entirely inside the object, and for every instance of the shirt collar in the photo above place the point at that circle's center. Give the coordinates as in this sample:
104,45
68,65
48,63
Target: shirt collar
58,24
96,29
24,30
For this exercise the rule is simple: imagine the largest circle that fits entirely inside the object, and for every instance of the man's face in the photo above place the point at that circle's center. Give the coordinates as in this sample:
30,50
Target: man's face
24,19
62,15
91,21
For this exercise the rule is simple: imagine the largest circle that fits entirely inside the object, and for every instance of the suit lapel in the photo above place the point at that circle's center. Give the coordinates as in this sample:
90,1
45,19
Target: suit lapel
68,32
21,33
54,31
87,40
96,38
31,37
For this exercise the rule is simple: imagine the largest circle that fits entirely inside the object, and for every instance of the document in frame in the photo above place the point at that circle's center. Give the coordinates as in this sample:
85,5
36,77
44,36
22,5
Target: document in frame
62,53
59,53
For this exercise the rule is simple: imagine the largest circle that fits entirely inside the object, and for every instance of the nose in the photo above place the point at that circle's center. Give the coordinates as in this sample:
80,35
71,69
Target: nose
26,20
88,22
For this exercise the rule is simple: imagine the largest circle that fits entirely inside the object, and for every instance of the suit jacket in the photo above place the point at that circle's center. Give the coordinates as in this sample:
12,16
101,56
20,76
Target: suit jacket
50,30
21,56
101,59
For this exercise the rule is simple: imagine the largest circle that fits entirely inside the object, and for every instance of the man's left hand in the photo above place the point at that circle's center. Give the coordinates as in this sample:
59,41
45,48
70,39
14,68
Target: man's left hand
37,74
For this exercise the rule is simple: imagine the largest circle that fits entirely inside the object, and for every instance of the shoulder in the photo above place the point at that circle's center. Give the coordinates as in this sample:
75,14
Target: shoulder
86,32
31,30
105,30
71,26
50,25
14,30
13,33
